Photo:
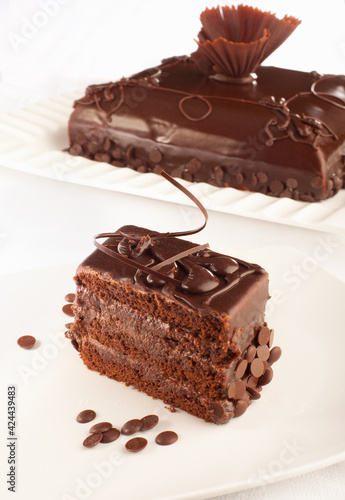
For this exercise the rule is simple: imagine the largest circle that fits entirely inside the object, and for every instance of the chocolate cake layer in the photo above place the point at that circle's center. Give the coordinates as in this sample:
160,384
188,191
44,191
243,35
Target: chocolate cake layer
281,134
174,319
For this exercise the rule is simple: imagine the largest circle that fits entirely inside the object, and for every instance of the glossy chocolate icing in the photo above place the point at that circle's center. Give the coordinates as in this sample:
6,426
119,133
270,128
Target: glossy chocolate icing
282,134
204,280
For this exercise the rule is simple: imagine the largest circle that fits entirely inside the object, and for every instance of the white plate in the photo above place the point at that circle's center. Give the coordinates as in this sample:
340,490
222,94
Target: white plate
296,427
32,140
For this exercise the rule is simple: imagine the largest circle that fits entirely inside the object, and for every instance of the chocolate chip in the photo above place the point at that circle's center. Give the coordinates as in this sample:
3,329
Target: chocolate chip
262,177
236,390
275,354
136,444
75,344
130,153
85,416
253,180
80,138
240,407
263,352
252,382
266,377
92,440
106,144
110,435
257,367
100,427
306,197
316,182
92,148
239,178
254,393
251,353
131,427
149,422
116,154
292,183
241,368
70,297
166,438
155,156
75,150
26,341
276,186
117,163
67,309
264,335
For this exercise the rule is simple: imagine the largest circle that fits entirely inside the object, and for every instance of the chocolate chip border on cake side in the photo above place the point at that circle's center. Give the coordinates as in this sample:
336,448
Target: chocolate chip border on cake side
177,320
210,117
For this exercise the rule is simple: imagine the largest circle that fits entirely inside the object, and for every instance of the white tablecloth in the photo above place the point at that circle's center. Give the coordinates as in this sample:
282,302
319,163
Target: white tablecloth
54,46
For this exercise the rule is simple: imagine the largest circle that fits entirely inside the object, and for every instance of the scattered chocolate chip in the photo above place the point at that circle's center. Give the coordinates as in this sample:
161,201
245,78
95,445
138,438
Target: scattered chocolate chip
264,335
167,437
92,440
110,435
149,422
257,367
70,297
85,416
241,368
155,156
136,444
316,182
276,186
67,309
100,427
26,341
131,427
275,354
263,352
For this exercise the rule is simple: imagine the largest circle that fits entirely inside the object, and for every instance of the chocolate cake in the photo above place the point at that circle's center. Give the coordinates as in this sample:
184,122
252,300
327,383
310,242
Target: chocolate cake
219,116
176,320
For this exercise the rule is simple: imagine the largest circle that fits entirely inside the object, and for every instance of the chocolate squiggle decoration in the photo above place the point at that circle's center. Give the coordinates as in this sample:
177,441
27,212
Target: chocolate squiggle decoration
323,95
146,241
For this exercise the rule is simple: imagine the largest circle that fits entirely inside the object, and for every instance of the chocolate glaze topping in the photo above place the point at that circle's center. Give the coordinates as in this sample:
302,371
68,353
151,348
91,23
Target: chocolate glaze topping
186,272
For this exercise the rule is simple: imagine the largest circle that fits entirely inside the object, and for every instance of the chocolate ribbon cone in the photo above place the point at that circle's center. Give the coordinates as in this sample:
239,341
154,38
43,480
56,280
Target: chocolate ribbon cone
234,41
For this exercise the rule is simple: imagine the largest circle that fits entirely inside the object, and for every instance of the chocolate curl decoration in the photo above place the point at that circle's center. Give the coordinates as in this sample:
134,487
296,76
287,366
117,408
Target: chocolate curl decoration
234,41
154,270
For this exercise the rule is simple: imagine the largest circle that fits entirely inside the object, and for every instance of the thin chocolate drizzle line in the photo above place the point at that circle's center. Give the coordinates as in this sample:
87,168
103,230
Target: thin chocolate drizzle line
180,256
189,117
323,94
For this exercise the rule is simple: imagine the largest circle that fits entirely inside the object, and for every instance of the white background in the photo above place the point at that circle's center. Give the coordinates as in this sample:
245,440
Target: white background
49,47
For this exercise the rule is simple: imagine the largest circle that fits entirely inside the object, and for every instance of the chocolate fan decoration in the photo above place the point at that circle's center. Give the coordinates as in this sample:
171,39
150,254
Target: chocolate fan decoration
234,41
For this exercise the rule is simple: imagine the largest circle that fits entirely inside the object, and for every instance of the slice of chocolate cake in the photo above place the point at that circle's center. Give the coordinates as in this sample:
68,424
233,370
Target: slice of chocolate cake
175,319
221,117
